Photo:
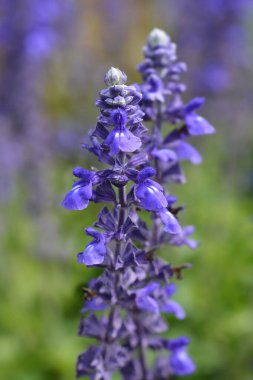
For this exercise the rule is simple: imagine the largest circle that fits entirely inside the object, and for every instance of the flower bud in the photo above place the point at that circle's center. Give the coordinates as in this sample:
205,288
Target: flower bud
158,37
115,77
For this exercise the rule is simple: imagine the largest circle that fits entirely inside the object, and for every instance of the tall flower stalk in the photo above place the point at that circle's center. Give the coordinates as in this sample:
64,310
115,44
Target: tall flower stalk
125,306
162,105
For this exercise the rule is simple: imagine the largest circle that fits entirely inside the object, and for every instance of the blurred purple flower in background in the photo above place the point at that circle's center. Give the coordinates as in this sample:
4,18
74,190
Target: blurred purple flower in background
215,31
30,31
214,39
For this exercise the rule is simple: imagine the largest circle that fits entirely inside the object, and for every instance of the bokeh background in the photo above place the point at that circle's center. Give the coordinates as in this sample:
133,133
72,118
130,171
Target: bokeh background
53,55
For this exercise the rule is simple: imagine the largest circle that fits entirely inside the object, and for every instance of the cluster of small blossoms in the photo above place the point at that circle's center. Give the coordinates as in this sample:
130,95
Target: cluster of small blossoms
126,305
162,103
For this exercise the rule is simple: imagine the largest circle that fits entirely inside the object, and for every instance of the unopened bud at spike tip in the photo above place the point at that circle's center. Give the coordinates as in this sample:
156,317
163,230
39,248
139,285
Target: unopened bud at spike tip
158,37
114,77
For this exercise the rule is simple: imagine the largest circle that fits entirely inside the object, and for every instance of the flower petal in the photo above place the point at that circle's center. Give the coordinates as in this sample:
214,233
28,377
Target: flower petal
121,139
78,197
181,362
197,125
83,173
151,197
165,155
185,151
146,173
193,105
172,307
181,238
147,303
94,254
144,301
96,304
170,289
170,222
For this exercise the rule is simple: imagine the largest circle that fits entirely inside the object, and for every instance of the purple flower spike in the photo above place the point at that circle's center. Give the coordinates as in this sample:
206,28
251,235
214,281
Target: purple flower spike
162,102
121,139
134,286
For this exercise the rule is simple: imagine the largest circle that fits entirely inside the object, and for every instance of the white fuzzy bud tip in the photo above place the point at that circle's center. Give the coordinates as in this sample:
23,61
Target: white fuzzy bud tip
158,37
114,77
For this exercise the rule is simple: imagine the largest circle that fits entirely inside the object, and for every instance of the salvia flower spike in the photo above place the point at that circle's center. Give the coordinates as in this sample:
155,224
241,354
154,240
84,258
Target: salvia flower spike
125,307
